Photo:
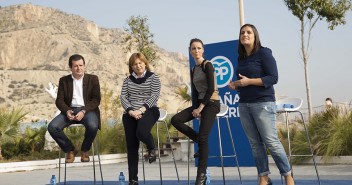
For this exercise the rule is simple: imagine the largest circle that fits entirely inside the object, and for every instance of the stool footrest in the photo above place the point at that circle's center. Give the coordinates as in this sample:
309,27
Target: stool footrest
167,149
161,155
225,156
308,155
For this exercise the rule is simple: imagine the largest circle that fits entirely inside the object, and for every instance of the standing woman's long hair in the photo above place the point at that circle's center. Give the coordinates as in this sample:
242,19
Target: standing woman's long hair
257,45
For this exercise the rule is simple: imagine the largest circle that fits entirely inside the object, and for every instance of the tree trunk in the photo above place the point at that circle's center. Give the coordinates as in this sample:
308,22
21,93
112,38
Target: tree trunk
305,61
309,100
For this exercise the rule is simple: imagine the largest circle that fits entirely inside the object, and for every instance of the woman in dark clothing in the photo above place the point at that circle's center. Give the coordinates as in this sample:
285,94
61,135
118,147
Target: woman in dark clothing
205,106
256,74
139,95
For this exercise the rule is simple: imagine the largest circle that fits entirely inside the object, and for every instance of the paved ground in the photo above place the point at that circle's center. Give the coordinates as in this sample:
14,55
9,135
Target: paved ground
304,175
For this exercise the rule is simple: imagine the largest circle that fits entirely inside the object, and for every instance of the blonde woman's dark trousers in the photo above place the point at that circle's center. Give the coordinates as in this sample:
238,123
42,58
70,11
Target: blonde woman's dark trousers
136,131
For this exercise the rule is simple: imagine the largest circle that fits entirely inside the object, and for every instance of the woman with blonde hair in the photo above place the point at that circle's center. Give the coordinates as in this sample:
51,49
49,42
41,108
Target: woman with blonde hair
139,95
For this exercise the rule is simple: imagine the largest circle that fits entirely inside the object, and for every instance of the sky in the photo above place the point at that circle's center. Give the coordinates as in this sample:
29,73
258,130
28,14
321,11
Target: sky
174,23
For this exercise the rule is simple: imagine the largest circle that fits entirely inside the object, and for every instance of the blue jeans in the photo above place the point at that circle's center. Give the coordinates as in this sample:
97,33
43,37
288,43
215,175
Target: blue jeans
90,122
259,123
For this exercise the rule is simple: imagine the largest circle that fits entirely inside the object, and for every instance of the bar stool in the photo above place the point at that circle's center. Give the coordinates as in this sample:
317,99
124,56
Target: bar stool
292,105
222,114
162,117
92,149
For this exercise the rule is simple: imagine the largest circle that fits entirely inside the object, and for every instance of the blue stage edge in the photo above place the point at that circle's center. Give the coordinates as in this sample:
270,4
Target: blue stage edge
216,182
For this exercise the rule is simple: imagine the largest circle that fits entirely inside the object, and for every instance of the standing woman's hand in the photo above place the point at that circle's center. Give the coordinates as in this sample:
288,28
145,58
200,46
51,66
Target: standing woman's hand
231,85
243,82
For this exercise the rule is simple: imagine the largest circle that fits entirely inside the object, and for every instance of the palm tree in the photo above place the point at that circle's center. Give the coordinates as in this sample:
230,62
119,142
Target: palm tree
9,125
184,92
34,137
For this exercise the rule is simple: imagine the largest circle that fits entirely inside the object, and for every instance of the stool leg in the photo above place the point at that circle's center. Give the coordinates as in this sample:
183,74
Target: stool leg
289,144
310,146
101,172
59,165
288,137
93,163
157,135
65,162
143,162
233,147
172,151
188,151
221,156
65,171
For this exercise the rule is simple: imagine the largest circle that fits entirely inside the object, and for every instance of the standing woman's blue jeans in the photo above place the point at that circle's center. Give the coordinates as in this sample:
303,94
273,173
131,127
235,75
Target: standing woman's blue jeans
259,123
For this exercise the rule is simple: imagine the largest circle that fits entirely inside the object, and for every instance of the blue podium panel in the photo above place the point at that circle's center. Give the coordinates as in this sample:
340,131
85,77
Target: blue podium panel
224,56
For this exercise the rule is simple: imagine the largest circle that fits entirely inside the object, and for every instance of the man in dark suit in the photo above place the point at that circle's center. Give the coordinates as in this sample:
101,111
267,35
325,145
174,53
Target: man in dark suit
78,98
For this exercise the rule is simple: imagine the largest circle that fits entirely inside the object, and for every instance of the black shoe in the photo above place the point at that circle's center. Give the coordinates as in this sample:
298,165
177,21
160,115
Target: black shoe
151,156
133,182
269,182
201,179
196,155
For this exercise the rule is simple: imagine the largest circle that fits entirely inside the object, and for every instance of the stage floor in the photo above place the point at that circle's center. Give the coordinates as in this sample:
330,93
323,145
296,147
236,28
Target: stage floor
217,182
304,175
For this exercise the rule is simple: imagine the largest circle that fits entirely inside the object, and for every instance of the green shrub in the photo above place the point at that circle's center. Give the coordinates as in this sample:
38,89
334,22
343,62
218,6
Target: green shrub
35,138
76,135
112,139
9,150
38,155
9,128
330,134
282,133
162,131
340,138
17,148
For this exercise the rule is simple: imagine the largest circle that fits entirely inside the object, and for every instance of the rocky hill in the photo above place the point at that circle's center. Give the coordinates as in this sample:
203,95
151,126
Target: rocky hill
35,43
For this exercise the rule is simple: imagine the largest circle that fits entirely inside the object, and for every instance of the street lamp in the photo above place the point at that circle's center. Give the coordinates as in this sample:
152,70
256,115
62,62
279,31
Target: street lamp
240,5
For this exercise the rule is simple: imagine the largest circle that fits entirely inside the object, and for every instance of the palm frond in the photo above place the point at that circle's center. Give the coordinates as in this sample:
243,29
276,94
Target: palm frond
183,93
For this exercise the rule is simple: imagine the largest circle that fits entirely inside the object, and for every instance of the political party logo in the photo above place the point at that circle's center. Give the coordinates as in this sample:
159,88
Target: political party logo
224,70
